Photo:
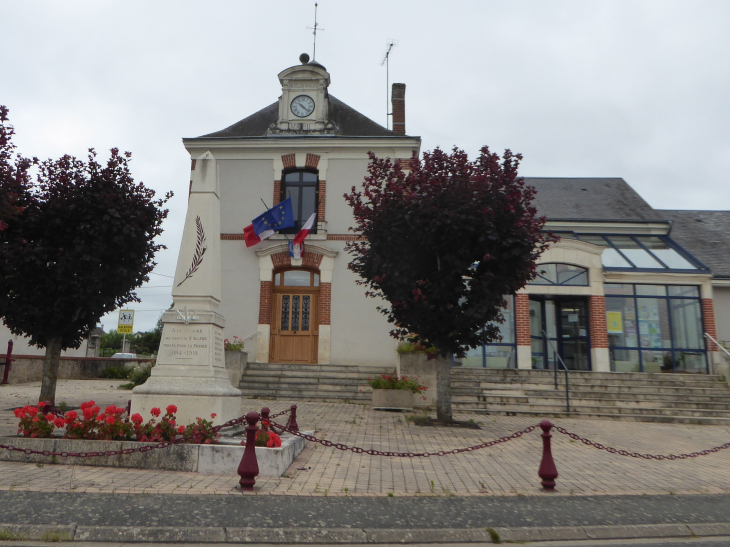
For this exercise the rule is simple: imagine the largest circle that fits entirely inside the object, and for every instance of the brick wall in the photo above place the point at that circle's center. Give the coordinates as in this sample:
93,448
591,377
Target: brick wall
522,319
597,317
708,314
398,101
311,260
325,302
281,260
267,289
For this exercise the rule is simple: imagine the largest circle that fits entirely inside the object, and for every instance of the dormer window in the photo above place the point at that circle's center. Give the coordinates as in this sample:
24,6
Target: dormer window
303,189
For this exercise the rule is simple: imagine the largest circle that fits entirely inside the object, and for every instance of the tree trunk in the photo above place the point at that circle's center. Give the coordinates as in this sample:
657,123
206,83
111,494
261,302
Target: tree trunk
443,390
50,370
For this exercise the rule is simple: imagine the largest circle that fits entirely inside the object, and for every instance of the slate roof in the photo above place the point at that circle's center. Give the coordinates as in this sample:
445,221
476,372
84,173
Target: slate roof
590,199
349,122
705,234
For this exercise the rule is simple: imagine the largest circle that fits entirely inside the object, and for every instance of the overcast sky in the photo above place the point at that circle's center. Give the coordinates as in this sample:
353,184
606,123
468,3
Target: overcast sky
633,89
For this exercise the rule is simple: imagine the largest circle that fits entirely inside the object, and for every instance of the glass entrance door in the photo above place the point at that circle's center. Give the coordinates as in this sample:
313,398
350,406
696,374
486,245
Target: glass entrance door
565,320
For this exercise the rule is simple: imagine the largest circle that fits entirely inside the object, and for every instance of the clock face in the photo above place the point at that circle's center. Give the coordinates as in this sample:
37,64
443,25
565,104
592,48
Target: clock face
302,106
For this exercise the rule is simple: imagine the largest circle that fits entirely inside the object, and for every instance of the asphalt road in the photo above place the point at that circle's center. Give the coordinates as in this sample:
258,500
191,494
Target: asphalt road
358,512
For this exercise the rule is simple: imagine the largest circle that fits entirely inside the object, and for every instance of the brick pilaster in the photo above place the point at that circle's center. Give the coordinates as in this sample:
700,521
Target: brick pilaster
597,318
708,314
267,289
522,319
325,302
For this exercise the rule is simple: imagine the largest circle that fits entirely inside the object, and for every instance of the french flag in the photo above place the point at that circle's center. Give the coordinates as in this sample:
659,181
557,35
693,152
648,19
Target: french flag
305,230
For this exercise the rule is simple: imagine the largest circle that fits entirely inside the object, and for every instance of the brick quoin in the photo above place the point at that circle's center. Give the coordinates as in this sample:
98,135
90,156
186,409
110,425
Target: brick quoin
322,200
289,160
312,161
277,192
597,314
267,289
325,302
708,313
522,318
192,164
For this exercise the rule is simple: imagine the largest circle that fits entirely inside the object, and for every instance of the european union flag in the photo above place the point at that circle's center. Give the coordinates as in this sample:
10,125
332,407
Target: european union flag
280,216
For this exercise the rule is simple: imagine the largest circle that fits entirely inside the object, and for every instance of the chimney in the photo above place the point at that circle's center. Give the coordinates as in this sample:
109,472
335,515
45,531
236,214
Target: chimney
398,100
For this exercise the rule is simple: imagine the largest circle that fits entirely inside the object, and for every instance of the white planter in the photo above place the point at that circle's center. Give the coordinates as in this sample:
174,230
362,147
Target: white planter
392,399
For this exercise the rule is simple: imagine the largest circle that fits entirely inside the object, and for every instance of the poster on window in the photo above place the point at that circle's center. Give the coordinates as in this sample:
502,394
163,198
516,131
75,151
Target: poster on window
614,322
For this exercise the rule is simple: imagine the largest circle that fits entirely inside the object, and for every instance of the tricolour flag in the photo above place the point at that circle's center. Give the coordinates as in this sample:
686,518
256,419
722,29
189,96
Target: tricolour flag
305,229
277,218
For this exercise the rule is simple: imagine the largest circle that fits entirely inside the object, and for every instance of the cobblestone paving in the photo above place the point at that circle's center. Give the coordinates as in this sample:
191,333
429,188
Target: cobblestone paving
506,469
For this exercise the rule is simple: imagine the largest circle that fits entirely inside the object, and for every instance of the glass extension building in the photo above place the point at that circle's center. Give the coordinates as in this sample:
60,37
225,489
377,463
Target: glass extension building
626,289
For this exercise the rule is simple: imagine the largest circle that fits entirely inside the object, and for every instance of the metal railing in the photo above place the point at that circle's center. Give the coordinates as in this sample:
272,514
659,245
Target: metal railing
557,359
712,360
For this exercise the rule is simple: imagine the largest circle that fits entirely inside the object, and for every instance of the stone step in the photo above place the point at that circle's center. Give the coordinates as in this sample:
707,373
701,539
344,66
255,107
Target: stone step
602,416
511,373
679,391
592,409
583,381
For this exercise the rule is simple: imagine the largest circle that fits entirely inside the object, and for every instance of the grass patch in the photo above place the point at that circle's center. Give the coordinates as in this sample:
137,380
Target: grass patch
494,535
7,535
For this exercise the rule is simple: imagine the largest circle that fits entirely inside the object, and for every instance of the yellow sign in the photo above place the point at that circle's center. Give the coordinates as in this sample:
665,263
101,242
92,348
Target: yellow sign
126,321
614,322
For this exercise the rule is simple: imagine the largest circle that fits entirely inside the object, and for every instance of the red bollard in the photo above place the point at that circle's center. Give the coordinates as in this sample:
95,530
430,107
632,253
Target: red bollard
547,471
292,424
248,469
8,362
265,418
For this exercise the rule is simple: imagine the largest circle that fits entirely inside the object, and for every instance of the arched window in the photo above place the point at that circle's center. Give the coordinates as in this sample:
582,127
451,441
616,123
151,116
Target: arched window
303,189
560,274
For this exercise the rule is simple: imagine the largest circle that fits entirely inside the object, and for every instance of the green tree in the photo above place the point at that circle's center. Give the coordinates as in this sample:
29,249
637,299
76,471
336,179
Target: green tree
442,244
80,246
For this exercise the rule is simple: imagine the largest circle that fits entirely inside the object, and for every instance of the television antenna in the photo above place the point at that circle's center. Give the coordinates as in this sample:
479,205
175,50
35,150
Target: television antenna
386,61
314,28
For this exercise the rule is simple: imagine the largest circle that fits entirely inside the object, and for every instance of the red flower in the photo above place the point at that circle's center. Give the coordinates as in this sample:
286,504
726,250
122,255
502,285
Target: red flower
213,415
31,410
181,429
110,420
110,410
71,415
50,417
59,422
137,418
171,409
35,420
87,413
155,412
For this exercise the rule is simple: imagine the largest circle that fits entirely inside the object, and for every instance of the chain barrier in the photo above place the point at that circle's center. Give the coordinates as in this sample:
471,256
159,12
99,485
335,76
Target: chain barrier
622,452
371,452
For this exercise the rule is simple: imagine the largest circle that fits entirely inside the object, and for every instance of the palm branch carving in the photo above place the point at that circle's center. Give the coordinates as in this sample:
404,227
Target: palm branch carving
200,248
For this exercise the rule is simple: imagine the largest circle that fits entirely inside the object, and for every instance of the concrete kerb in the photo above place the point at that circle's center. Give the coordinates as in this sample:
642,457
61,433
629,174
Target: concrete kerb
171,534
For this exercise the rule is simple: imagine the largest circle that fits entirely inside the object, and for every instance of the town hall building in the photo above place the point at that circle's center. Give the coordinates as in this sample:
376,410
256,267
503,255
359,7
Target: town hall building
627,288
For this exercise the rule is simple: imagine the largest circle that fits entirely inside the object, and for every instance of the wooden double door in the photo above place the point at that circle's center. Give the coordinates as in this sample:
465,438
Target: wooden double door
295,324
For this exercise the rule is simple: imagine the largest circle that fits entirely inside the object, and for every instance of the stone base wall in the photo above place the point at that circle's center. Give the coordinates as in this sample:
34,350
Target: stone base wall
29,368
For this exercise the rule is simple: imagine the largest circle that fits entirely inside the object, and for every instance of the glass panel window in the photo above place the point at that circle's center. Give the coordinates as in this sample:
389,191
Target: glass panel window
684,290
507,329
693,363
624,360
285,312
572,275
297,278
316,280
621,322
615,288
665,253
474,358
651,290
546,275
500,356
596,239
657,361
653,317
295,312
633,251
686,323
301,187
277,279
305,312
611,258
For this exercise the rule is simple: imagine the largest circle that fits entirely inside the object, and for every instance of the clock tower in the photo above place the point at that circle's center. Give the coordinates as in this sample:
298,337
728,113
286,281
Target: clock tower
304,101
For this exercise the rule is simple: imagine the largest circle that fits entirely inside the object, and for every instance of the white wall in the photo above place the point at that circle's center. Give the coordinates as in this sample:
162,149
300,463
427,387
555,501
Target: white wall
721,301
342,175
21,346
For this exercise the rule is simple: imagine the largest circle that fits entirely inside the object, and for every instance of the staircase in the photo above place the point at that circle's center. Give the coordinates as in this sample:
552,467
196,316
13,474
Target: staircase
316,382
645,397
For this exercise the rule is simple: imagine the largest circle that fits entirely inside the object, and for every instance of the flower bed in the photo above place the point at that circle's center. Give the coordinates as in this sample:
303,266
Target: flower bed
113,424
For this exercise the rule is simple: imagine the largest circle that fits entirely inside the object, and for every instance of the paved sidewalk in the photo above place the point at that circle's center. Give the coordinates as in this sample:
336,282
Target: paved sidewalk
507,469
